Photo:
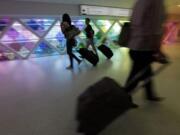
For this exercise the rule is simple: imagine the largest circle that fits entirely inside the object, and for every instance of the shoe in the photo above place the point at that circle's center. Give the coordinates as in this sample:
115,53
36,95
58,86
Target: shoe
69,67
155,99
161,58
134,105
79,62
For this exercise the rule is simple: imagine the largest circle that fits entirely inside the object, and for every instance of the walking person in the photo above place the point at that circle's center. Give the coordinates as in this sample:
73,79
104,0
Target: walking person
70,42
90,35
145,42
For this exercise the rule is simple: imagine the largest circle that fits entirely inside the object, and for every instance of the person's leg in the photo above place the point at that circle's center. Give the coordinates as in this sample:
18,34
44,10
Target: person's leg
69,52
87,43
76,58
93,46
72,44
135,69
145,60
141,65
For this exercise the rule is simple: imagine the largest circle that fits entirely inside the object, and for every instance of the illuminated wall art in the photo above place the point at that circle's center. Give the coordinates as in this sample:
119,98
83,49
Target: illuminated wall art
79,23
36,37
114,32
104,25
56,38
39,26
19,39
171,33
43,49
4,22
6,54
113,35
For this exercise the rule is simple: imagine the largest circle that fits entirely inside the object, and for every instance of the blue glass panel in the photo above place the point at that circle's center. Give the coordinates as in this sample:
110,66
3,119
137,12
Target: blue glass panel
40,26
44,50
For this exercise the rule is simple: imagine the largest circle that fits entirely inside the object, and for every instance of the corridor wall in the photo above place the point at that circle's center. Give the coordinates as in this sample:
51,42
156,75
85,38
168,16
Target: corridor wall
23,37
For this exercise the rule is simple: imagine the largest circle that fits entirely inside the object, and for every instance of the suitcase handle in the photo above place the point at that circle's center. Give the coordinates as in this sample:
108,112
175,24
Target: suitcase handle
139,75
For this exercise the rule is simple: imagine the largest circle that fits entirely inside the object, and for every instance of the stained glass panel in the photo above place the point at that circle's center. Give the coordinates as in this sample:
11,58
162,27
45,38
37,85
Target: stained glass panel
19,39
40,26
114,32
43,49
6,54
104,24
56,38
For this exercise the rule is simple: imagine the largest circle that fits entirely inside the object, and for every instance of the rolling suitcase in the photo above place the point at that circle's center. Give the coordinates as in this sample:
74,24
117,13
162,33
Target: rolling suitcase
106,51
89,56
102,103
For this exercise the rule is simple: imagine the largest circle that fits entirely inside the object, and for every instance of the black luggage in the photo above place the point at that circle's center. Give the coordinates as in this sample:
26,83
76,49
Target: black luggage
103,102
106,51
100,104
89,56
124,35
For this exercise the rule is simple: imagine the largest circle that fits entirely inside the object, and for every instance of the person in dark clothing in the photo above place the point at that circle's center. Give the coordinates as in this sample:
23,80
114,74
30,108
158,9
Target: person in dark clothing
70,42
90,35
145,42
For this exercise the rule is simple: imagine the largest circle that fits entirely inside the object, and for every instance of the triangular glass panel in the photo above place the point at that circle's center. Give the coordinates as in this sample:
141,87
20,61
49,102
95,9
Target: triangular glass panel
43,49
39,26
104,25
6,54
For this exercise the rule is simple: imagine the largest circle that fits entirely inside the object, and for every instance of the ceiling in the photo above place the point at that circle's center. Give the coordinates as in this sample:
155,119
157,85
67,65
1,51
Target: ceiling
170,4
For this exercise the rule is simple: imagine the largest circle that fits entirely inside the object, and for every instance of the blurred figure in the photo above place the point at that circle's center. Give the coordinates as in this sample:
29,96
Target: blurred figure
90,35
145,42
70,42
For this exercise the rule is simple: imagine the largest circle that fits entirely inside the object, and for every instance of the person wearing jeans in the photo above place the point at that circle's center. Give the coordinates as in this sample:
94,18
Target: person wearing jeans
70,42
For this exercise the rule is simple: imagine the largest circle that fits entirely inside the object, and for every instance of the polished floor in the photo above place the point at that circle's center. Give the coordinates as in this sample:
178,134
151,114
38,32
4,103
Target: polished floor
38,96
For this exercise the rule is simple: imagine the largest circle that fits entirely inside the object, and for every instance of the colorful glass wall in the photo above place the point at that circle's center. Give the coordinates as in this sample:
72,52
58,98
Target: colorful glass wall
21,38
171,35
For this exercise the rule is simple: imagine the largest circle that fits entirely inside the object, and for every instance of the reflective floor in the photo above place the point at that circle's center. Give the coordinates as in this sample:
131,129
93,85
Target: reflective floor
38,96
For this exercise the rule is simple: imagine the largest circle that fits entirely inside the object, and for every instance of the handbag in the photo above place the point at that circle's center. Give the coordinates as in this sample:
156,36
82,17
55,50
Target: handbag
74,31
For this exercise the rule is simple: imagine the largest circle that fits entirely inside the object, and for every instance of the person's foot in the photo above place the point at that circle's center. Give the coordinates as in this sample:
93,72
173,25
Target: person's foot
155,99
69,67
161,58
79,62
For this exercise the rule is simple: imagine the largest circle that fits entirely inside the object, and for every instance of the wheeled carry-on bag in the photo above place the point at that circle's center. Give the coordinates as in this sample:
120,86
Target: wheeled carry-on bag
89,56
102,103
106,51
